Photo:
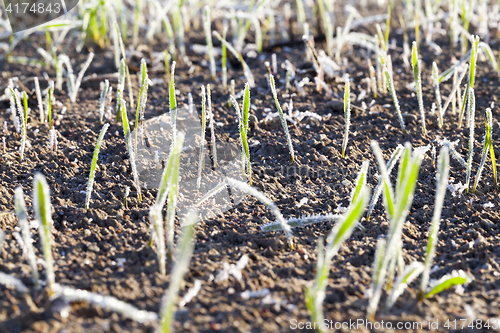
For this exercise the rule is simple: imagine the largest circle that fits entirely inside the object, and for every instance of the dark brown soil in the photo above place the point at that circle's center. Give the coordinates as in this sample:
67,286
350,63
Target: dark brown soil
90,244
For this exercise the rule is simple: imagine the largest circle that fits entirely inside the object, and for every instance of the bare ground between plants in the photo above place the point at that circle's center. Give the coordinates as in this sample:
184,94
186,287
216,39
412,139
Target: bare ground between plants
91,245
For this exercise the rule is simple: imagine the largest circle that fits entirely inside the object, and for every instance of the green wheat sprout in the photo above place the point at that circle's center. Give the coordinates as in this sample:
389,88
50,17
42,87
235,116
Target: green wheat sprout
243,126
201,163
130,149
90,183
472,112
487,145
182,259
103,99
392,90
435,83
339,233
23,116
418,84
41,207
173,103
210,114
22,217
282,116
442,183
347,115
208,35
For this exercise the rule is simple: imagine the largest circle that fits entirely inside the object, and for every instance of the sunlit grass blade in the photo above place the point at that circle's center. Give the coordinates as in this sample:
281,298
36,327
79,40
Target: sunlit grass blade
447,281
347,115
472,111
182,258
449,72
22,218
90,183
378,277
442,183
454,91
282,116
8,280
173,103
360,182
418,84
210,114
489,52
392,90
42,209
208,35
127,73
130,149
103,99
201,162
158,235
388,191
487,145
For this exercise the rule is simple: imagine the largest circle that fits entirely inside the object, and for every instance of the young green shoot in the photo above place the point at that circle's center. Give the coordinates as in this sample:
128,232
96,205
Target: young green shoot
487,145
453,279
397,202
405,277
201,163
127,73
392,90
42,209
472,112
141,105
182,258
207,21
340,233
470,85
173,103
130,149
173,192
38,93
210,114
282,117
90,184
442,183
246,69
103,99
243,125
23,114
119,90
347,115
224,58
418,84
22,218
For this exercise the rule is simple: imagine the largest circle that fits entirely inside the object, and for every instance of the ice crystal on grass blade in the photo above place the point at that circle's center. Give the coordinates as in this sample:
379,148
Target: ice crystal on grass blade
487,144
22,218
103,98
38,93
472,112
442,178
210,115
106,302
8,280
119,89
282,116
23,115
182,258
201,163
130,149
41,207
340,232
302,221
447,281
93,166
347,115
397,202
418,84
392,90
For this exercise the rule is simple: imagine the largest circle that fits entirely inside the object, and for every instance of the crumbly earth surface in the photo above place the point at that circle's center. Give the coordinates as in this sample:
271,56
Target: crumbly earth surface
105,249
